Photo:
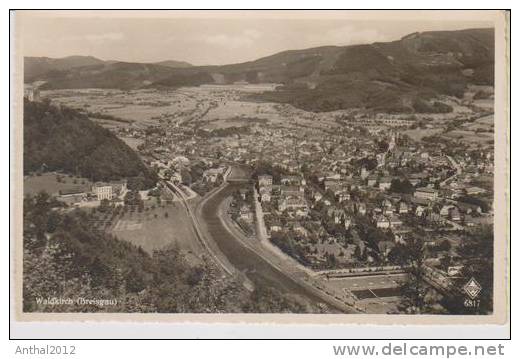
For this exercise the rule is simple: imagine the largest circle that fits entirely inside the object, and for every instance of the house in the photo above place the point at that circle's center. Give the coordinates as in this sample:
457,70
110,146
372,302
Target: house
275,227
403,207
381,159
300,229
455,214
245,213
330,184
475,190
144,195
426,193
336,214
291,203
72,197
372,180
243,193
419,211
385,183
386,202
265,180
292,180
343,196
434,217
388,209
382,222
362,209
348,222
176,177
32,93
445,210
415,180
395,221
212,174
265,194
398,238
291,191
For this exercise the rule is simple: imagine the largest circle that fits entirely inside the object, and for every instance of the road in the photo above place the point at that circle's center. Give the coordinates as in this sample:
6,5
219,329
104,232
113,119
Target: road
260,224
260,270
457,167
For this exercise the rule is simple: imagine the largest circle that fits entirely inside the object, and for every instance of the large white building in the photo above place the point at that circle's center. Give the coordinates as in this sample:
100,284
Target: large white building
426,193
102,191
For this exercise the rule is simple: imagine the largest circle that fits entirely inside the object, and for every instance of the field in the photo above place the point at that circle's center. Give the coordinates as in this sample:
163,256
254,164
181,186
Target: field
140,107
376,294
419,133
470,136
213,107
132,142
152,230
48,182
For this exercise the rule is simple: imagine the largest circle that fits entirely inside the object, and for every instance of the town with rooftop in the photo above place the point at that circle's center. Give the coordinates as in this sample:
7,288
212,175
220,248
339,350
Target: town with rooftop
331,198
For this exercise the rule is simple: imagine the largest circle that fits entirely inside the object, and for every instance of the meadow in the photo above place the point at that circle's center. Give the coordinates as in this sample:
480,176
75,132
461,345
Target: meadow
49,183
158,227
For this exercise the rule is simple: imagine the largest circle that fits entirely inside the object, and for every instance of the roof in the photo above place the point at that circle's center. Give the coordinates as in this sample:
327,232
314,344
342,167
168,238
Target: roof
290,189
426,189
71,191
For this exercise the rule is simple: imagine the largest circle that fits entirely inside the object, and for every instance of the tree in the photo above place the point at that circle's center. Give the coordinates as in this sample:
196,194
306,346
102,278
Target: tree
445,262
417,296
403,186
357,252
92,151
104,205
331,260
186,177
382,146
398,255
476,255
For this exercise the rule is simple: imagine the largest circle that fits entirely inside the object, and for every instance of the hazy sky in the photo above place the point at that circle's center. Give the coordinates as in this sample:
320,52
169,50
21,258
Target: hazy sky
203,41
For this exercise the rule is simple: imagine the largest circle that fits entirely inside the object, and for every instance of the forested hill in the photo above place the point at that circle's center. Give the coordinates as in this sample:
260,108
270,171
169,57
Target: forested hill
396,76
64,258
63,139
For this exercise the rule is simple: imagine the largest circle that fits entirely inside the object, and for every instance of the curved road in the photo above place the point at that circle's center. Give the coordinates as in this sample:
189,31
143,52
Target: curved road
255,267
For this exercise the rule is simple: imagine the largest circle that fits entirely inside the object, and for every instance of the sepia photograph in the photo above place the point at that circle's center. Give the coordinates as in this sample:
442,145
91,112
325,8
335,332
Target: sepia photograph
319,166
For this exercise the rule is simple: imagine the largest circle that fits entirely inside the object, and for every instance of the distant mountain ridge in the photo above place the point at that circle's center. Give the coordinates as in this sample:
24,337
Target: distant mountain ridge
390,76
174,64
36,67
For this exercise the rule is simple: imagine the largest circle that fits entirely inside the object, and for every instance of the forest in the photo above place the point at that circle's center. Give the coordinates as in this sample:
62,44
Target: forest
64,257
58,138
